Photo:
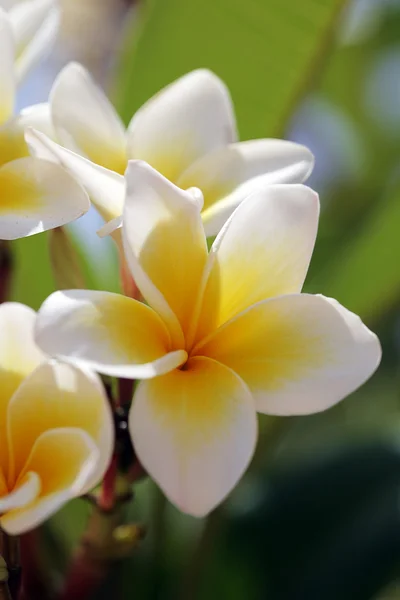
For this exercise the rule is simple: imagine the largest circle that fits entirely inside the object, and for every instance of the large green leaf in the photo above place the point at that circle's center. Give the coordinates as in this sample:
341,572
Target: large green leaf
364,275
267,51
33,279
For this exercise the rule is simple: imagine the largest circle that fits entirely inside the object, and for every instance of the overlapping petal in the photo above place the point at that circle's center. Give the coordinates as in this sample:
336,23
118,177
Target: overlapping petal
63,459
7,71
85,121
35,25
19,356
220,172
36,195
105,188
194,430
164,244
299,354
228,175
12,142
37,116
263,251
182,123
110,333
58,395
24,493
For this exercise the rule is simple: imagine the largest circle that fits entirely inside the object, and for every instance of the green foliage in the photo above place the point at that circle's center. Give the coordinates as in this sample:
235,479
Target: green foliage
364,273
33,279
267,52
309,511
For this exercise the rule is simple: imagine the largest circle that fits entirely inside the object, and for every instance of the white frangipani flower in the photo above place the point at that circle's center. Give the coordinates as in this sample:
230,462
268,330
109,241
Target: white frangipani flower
187,132
35,194
224,333
56,427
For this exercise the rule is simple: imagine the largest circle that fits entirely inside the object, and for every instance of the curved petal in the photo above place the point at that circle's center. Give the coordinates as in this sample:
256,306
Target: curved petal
35,25
7,69
113,334
263,251
37,195
85,121
229,175
184,121
58,395
19,356
24,493
12,142
298,354
164,244
194,431
228,171
105,188
64,459
37,116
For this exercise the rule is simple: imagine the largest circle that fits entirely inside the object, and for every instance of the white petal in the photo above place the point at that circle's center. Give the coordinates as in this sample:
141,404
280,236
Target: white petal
37,116
183,122
64,459
299,354
263,251
194,431
110,333
25,493
85,121
164,245
19,356
228,175
7,70
37,195
59,395
35,25
105,188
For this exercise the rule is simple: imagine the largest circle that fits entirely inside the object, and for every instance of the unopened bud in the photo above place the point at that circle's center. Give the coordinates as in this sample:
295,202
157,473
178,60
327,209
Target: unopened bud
65,261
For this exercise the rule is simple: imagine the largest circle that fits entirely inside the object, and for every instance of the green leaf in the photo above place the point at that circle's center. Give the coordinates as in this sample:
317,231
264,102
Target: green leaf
267,52
33,278
365,274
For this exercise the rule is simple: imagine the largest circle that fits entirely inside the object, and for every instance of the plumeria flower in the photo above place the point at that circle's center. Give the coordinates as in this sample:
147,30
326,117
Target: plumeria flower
35,194
187,132
56,429
224,334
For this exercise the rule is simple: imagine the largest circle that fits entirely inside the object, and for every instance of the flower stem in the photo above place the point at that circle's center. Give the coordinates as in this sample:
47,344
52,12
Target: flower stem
33,584
92,563
6,270
107,495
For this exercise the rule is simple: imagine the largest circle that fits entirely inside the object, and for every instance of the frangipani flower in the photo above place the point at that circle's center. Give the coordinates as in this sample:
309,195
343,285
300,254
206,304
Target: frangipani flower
56,428
224,334
187,132
35,194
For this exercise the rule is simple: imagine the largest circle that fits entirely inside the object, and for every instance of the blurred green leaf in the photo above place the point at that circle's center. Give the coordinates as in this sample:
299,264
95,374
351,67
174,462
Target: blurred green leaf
364,274
33,279
268,53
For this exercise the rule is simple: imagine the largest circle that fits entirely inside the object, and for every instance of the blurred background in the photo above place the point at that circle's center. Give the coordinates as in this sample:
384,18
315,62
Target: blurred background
317,517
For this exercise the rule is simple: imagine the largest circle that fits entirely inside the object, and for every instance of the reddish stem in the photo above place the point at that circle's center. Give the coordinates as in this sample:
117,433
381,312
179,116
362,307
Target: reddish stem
85,577
125,392
107,494
33,584
6,271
